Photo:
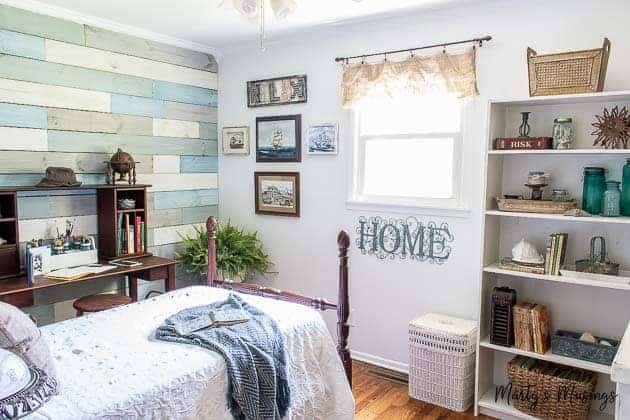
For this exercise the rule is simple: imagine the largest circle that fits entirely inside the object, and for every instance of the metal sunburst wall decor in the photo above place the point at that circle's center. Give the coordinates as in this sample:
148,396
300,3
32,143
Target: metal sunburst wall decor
612,128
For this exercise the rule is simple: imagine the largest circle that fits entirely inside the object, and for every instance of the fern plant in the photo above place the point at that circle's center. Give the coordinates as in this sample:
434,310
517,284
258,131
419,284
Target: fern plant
239,253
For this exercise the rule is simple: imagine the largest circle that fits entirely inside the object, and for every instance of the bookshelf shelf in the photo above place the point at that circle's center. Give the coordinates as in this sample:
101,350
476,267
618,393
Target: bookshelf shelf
131,211
559,217
569,152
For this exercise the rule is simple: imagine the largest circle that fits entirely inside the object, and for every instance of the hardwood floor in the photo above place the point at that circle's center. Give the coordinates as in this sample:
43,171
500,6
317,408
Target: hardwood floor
378,398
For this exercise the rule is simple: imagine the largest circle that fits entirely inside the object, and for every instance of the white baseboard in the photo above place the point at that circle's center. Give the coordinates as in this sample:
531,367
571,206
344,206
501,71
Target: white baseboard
380,361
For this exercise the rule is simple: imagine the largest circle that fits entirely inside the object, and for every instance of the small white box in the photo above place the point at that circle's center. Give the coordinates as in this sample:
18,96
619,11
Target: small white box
73,259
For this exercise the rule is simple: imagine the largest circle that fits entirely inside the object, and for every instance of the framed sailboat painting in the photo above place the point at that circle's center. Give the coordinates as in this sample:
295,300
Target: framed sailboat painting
279,138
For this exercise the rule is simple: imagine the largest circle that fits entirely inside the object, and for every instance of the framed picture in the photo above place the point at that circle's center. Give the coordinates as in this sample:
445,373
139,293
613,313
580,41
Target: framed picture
277,193
236,140
37,262
322,139
279,139
279,91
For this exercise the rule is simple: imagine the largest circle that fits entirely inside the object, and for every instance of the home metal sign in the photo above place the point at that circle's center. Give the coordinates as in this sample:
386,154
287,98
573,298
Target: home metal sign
405,239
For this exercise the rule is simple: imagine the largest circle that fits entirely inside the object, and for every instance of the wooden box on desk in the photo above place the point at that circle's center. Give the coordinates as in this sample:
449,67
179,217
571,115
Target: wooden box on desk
109,216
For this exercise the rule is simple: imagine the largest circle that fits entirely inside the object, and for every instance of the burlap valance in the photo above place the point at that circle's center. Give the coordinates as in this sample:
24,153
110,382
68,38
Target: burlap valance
443,73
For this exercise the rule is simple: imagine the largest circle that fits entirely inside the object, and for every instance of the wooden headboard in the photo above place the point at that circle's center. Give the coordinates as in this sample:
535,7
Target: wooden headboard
342,306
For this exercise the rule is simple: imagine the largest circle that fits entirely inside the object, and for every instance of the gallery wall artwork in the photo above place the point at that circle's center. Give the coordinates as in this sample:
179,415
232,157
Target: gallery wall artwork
277,193
236,140
279,91
406,238
279,138
322,139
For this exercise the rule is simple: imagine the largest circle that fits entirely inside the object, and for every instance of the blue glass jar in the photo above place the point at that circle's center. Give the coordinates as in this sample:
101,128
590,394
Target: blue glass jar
611,200
593,189
625,189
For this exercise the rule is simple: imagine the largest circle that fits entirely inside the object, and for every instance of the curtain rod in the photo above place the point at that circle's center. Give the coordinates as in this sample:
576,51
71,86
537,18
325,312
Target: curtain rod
445,44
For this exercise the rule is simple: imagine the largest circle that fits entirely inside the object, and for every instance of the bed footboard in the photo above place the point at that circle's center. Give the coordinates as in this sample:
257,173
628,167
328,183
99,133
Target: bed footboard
342,306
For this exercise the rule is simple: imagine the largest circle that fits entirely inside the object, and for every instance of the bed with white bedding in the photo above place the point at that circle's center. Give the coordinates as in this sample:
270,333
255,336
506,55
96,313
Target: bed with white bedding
110,366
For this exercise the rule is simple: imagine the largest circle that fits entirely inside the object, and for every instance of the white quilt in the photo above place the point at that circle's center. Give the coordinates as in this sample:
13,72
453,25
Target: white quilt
110,367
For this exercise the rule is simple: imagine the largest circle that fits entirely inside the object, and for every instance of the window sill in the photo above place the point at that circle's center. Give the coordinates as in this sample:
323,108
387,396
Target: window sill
452,212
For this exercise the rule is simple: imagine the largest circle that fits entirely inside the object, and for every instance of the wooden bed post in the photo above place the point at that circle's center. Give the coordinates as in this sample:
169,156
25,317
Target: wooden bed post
211,226
343,305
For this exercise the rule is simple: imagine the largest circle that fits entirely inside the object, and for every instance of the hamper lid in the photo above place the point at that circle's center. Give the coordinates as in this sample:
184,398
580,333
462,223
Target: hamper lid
445,323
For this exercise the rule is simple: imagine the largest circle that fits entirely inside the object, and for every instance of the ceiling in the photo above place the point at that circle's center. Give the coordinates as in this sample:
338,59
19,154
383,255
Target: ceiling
209,23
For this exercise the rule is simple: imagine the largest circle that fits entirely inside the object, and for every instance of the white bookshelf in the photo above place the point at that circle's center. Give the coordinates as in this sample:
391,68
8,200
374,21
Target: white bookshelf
575,303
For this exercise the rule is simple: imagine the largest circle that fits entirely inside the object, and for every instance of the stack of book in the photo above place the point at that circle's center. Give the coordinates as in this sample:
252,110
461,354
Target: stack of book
131,234
555,253
531,327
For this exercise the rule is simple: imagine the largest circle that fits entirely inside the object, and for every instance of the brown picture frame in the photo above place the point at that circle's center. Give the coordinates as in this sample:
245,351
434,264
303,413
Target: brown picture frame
261,208
278,153
270,92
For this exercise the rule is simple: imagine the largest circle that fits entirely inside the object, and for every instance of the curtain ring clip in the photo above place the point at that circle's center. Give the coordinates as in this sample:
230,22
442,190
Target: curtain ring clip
363,60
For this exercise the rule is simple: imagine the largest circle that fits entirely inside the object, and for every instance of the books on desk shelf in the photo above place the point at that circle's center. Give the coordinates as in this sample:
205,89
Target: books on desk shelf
131,234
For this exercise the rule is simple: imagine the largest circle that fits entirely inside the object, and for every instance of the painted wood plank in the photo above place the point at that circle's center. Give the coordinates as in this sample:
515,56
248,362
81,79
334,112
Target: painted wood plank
198,164
208,131
98,122
16,162
172,234
175,128
198,214
167,251
43,207
179,182
47,228
136,105
163,164
12,115
37,71
76,55
138,47
20,20
190,112
19,180
12,138
212,147
193,198
187,94
166,217
27,93
23,45
56,192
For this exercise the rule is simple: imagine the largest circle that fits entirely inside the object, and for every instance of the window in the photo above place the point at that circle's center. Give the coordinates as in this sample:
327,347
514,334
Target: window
409,153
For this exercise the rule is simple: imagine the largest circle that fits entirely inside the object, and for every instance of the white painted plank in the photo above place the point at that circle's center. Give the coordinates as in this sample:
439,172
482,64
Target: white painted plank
27,93
166,164
76,55
171,234
175,128
47,228
12,138
179,182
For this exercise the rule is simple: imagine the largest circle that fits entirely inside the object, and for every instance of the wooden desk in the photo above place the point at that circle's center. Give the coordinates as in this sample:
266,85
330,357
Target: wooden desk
17,292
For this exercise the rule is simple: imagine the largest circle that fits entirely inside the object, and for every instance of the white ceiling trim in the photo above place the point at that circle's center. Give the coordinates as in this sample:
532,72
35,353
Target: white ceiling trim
63,13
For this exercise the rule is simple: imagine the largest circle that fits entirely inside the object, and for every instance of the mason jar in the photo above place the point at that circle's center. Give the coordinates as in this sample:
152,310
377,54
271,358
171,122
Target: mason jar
563,133
593,189
611,200
625,189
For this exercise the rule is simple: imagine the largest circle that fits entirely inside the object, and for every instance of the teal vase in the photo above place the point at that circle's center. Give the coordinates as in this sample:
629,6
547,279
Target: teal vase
625,190
593,189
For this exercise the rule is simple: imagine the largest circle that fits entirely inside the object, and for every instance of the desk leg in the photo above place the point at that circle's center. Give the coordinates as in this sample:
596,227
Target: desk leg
133,288
169,283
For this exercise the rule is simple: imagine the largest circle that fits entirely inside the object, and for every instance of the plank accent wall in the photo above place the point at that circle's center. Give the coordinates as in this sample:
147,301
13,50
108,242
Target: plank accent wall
70,95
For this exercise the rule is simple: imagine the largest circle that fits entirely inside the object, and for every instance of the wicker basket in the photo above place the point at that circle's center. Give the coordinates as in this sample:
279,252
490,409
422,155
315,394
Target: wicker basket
567,397
442,360
569,72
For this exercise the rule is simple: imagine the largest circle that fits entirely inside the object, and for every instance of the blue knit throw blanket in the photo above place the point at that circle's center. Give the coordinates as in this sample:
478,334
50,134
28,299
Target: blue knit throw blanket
254,353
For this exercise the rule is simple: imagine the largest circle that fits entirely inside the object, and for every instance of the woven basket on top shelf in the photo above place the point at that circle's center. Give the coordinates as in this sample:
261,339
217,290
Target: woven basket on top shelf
569,72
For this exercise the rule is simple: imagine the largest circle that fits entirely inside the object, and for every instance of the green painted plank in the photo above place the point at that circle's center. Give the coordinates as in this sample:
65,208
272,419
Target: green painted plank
190,112
135,105
166,217
198,214
26,22
139,47
15,162
44,207
24,116
70,141
187,94
23,45
208,131
199,164
190,198
37,71
98,122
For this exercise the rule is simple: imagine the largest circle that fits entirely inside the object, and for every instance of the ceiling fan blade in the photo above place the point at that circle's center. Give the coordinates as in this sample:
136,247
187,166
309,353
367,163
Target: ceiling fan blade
283,8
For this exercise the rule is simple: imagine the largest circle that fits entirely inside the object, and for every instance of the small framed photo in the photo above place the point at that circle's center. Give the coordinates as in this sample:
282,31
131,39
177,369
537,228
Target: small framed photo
322,139
279,139
277,193
236,140
279,91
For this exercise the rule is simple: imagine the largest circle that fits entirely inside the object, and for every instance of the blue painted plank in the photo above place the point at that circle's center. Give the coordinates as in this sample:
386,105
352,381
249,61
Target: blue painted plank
56,206
198,164
176,92
23,45
191,198
23,116
208,131
135,105
198,214
34,208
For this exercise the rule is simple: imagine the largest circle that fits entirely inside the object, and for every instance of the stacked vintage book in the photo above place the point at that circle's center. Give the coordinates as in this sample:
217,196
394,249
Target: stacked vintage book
555,253
531,327
131,234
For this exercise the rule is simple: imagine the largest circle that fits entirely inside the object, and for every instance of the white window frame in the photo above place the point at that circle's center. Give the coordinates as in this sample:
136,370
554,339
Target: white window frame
454,206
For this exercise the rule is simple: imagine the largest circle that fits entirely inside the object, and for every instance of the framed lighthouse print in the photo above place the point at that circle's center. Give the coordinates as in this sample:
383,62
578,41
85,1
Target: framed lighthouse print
279,138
